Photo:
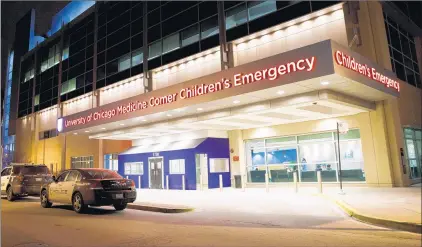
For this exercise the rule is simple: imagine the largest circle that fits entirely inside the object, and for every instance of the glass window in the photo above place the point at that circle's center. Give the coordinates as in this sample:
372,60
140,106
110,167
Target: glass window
351,134
236,16
260,8
73,175
134,168
219,165
82,162
171,43
137,57
124,62
316,137
209,27
37,100
190,35
155,49
62,176
280,141
177,166
65,53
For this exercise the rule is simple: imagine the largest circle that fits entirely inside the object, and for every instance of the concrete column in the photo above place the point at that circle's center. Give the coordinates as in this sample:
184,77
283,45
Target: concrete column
100,154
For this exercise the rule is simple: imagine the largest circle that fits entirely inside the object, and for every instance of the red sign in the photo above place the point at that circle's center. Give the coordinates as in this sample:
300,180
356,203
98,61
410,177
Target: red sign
235,158
350,63
272,73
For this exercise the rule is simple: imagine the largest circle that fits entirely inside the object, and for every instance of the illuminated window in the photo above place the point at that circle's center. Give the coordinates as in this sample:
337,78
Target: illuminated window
37,100
82,162
260,8
219,165
155,49
171,43
236,16
177,166
68,86
190,35
134,168
111,162
137,57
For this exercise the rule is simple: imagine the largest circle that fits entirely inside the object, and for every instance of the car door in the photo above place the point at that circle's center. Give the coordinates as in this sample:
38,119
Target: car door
5,177
68,185
55,189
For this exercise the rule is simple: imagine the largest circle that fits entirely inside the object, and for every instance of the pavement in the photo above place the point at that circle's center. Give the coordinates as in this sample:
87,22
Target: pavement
398,208
24,223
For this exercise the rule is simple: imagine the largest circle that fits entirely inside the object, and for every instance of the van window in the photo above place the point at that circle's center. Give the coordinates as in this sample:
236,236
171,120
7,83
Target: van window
34,170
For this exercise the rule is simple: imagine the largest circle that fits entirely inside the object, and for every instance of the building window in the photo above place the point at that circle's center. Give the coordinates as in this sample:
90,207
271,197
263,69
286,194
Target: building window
124,63
82,162
279,157
68,86
155,49
177,166
403,57
65,54
28,75
190,35
111,162
236,16
260,8
171,43
209,27
134,168
413,144
52,59
37,100
48,134
219,165
137,57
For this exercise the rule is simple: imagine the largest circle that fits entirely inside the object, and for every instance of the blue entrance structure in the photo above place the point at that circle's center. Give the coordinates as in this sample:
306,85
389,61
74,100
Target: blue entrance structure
182,159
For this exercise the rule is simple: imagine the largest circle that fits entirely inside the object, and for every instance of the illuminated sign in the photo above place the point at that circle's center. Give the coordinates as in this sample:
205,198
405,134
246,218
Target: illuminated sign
239,79
350,63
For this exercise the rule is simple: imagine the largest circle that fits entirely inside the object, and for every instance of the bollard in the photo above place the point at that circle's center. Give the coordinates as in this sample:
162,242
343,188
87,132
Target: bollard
167,182
319,181
139,182
221,182
127,177
295,181
266,182
183,182
200,182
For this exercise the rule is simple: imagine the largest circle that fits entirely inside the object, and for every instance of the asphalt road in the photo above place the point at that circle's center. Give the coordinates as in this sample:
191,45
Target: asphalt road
25,224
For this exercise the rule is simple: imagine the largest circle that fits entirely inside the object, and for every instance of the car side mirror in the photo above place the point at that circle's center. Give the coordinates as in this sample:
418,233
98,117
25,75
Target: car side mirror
54,178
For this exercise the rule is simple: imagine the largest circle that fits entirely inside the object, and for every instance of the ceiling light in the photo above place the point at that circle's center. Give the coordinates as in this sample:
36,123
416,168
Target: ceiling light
325,83
168,115
144,120
103,128
75,133
280,92
122,124
199,109
236,102
86,131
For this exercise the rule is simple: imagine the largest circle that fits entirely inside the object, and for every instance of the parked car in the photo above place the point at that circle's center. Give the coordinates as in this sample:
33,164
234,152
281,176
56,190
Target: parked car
23,179
89,187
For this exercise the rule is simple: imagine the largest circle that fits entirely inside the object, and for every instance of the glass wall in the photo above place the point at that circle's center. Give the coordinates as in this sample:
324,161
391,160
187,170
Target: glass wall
413,144
82,162
111,162
281,156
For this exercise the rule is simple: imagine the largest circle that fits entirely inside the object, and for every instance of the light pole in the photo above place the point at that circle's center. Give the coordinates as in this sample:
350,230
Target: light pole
344,128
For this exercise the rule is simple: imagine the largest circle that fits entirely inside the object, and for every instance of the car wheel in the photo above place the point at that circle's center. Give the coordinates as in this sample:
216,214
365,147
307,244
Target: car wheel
120,206
9,192
44,200
78,203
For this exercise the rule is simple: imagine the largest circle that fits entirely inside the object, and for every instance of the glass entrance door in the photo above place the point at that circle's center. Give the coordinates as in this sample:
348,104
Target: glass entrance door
156,172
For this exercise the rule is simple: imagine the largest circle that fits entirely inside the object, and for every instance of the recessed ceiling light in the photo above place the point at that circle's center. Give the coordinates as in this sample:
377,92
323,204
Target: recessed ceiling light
75,133
280,92
236,102
144,120
122,124
103,128
325,83
199,109
168,115
86,131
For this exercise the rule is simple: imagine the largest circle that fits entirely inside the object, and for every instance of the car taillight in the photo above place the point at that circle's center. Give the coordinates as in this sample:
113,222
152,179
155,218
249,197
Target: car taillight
95,185
132,184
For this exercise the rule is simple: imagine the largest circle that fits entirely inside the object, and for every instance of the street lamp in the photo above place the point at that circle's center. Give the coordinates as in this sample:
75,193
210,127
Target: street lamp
343,128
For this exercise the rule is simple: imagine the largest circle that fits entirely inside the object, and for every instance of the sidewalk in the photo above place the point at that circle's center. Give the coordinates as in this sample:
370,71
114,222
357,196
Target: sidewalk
398,208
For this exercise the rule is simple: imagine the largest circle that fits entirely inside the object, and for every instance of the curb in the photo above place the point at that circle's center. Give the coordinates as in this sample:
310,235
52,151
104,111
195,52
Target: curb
399,225
157,209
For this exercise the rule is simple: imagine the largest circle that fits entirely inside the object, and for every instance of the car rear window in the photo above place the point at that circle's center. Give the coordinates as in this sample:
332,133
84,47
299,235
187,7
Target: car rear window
34,170
102,174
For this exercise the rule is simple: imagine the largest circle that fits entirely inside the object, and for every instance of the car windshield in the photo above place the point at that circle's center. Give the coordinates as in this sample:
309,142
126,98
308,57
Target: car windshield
102,174
34,170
